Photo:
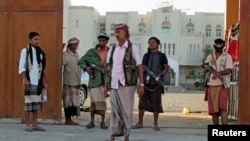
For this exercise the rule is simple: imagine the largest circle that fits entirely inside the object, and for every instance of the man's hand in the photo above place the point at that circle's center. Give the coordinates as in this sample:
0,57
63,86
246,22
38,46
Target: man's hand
88,69
216,75
204,70
105,92
140,91
26,84
158,78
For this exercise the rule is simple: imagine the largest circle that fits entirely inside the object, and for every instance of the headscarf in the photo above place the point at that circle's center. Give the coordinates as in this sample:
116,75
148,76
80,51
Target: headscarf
73,40
123,27
219,41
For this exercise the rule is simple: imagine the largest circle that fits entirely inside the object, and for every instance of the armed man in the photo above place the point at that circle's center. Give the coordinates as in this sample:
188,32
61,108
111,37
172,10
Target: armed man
93,62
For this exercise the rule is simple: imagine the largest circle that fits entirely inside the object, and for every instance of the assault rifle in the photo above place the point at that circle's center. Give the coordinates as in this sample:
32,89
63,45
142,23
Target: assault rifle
210,70
152,74
94,67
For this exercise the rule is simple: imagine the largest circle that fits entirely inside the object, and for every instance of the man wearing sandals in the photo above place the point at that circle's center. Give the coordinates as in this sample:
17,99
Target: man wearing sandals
31,66
151,100
93,62
124,64
71,81
218,88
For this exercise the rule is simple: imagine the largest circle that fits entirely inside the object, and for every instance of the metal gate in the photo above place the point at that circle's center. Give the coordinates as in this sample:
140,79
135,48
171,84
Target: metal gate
233,96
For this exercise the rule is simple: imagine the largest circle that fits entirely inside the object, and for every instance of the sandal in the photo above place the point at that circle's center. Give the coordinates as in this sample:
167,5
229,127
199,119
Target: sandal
28,129
103,126
137,126
90,125
38,128
70,122
156,127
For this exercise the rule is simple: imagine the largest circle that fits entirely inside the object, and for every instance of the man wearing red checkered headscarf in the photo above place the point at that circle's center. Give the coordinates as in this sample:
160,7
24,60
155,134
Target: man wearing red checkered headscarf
71,81
122,92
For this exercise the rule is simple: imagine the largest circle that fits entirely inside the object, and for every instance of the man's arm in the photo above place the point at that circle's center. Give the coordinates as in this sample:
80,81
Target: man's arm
163,72
220,73
22,68
140,89
140,73
26,82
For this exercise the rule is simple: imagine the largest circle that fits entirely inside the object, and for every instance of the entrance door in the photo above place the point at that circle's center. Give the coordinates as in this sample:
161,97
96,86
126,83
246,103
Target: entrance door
17,19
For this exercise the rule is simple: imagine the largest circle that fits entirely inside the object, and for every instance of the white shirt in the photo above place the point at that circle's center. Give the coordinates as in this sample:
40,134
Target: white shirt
34,69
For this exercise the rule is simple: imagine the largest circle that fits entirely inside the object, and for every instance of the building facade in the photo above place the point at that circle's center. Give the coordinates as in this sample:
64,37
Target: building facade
183,37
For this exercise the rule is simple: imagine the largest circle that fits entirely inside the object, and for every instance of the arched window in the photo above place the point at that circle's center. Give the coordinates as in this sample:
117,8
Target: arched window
102,27
208,30
166,27
112,26
142,27
218,31
190,27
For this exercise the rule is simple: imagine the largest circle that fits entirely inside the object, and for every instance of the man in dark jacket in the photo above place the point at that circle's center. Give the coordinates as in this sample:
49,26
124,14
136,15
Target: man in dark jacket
157,63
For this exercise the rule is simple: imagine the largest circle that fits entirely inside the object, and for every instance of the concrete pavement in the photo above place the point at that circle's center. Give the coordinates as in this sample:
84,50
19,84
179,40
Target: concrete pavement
174,125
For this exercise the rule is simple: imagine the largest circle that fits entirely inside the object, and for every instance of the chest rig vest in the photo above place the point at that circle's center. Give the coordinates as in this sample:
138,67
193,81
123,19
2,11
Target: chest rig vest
129,66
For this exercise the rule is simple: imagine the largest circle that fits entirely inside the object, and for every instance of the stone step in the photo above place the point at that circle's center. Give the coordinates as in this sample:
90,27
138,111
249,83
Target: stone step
175,88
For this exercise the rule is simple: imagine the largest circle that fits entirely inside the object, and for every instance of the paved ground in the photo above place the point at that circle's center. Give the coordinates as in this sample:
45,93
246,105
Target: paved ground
175,126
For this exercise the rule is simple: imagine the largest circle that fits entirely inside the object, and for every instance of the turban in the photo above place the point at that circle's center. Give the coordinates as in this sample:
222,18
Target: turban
73,40
123,27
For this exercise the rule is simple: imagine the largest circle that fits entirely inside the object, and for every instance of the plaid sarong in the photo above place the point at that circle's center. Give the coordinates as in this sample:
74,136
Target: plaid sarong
32,100
97,99
71,99
122,103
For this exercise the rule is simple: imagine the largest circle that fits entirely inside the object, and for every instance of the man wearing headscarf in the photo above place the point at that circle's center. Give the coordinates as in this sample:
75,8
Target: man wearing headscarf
93,63
122,74
71,81
218,83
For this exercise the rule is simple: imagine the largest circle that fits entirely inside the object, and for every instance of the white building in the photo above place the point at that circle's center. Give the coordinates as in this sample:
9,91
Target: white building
183,37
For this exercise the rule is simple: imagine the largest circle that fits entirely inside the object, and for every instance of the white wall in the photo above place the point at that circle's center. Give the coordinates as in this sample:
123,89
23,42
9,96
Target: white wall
89,20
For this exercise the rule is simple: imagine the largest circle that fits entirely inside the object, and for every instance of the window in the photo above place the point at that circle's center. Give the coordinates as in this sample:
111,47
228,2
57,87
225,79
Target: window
190,49
190,27
142,27
166,27
198,50
208,30
169,49
218,31
102,27
173,49
165,48
189,74
112,26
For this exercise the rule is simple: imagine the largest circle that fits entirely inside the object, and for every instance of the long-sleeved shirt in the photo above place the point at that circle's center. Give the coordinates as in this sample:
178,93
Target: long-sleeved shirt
33,72
71,69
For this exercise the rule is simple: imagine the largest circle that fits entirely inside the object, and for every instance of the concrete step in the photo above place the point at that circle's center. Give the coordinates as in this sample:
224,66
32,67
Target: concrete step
175,88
